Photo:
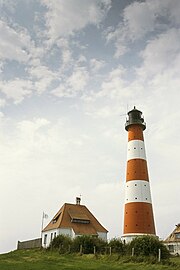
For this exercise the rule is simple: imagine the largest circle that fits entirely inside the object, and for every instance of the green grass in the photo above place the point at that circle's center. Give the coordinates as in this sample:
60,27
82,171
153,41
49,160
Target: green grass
43,260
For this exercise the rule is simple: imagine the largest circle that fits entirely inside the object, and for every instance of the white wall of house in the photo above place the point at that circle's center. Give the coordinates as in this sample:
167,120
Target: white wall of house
102,235
173,247
66,231
48,236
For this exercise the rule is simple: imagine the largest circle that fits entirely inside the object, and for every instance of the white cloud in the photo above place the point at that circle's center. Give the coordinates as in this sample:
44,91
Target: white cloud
64,17
161,54
113,86
16,89
74,84
141,19
40,72
1,67
42,77
96,64
9,4
82,59
14,45
2,103
66,53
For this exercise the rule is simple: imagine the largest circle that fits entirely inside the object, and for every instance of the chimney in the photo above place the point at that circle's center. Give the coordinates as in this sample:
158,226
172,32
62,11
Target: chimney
78,200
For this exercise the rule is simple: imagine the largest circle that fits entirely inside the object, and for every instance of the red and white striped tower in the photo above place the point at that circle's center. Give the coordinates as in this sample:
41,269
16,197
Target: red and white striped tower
138,212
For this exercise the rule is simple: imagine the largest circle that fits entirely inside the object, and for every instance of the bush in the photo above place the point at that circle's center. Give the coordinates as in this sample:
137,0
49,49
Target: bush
62,243
148,246
88,243
117,246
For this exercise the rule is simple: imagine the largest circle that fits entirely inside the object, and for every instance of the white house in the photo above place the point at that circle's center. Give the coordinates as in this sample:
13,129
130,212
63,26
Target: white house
173,241
73,220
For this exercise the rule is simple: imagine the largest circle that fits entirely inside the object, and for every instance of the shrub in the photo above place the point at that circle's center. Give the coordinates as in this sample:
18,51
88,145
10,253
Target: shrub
61,242
148,246
117,246
88,243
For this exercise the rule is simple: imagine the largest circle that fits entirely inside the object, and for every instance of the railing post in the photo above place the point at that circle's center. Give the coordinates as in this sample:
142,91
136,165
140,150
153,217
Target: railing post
159,255
80,249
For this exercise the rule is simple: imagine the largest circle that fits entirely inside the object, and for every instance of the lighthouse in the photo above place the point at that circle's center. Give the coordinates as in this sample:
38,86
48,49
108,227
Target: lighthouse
138,211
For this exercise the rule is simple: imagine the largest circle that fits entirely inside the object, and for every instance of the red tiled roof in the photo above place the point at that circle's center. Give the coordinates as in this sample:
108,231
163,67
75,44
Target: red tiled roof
70,212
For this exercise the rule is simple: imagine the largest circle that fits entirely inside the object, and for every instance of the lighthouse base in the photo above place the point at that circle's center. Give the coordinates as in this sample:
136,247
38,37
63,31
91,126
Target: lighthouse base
126,238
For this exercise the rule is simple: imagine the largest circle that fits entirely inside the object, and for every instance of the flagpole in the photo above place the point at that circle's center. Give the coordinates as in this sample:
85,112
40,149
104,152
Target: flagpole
42,224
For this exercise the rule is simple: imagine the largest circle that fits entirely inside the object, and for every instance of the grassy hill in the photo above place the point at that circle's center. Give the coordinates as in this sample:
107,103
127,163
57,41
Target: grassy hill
43,260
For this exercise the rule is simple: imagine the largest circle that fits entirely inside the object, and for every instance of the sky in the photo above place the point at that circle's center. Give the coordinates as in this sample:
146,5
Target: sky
69,72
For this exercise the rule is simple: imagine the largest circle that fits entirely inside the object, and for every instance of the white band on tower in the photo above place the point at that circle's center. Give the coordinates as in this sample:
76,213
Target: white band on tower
137,191
136,149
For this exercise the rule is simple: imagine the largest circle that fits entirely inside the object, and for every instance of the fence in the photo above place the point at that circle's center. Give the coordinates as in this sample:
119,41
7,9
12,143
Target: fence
29,244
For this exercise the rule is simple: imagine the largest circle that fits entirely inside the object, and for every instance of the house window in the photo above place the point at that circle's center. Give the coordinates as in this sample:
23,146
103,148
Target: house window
82,221
45,239
177,235
55,219
51,236
171,248
54,234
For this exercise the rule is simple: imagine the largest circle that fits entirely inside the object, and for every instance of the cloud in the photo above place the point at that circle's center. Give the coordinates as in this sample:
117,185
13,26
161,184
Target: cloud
113,86
161,54
14,45
42,77
2,103
64,17
9,4
141,19
74,84
96,64
16,89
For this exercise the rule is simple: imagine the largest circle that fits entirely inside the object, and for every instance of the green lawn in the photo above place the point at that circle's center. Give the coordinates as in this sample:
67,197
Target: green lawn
43,260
